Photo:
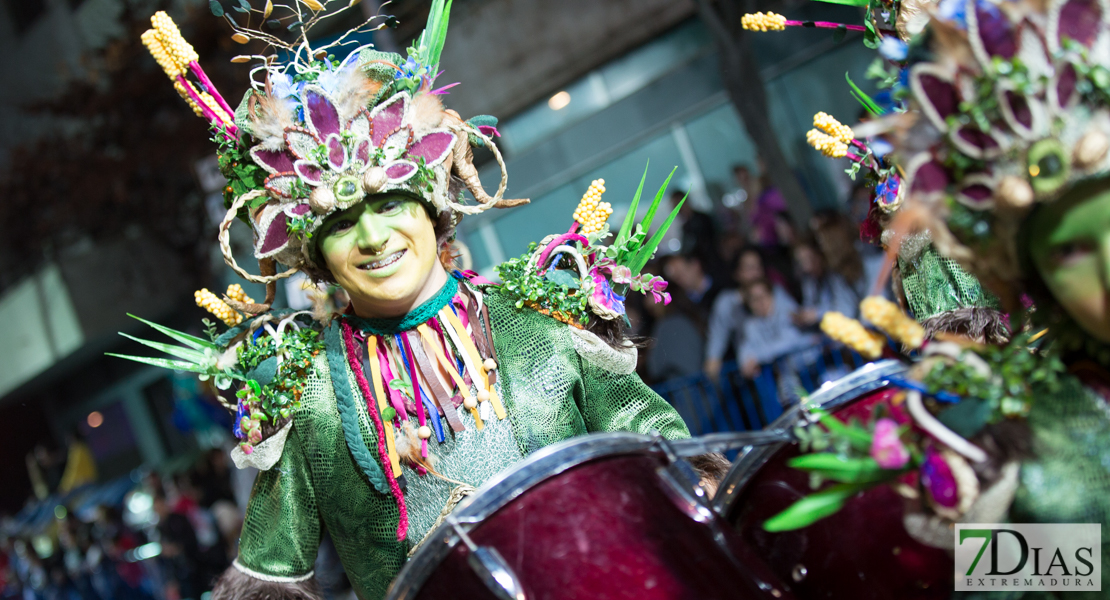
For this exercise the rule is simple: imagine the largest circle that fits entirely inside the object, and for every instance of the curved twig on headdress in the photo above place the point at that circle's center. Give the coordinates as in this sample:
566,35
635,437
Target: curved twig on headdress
225,243
463,166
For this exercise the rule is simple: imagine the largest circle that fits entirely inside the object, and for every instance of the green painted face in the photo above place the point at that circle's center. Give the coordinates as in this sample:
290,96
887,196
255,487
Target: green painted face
1069,242
383,252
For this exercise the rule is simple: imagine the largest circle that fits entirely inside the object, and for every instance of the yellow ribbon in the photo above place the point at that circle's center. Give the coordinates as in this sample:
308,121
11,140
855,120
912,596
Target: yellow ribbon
426,333
473,360
379,391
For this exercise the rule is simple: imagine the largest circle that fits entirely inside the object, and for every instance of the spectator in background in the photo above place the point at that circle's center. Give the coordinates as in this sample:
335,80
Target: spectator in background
770,333
858,262
688,272
769,203
181,559
726,321
822,289
80,463
678,333
731,212
742,177
698,233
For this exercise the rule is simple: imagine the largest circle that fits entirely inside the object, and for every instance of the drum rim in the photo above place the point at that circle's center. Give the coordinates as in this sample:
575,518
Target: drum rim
505,487
868,378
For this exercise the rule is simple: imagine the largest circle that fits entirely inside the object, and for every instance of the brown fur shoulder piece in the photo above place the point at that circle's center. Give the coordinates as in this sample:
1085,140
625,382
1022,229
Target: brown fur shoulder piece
237,585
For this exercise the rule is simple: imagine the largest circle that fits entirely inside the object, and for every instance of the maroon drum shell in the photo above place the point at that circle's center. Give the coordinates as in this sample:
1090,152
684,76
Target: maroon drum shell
606,529
861,552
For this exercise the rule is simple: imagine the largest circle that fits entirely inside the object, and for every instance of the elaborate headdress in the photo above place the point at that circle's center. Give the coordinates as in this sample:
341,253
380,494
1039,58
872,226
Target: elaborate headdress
315,135
1013,111
934,286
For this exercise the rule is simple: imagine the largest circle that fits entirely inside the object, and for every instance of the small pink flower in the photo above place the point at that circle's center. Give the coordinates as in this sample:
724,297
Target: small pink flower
886,448
656,286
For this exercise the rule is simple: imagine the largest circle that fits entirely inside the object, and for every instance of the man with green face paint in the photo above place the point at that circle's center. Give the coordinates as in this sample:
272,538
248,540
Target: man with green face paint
1025,206
1000,166
375,425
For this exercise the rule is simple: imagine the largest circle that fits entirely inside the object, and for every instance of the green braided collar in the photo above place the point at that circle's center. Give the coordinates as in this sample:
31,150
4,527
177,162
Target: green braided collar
348,410
421,314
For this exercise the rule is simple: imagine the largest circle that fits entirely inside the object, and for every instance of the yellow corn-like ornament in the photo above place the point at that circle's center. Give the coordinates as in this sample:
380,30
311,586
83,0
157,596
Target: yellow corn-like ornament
181,51
212,105
158,51
188,99
759,21
591,212
827,123
236,293
208,301
853,334
826,144
886,315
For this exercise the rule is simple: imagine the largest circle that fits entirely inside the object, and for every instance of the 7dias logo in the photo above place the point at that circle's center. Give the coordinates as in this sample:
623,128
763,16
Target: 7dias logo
1015,556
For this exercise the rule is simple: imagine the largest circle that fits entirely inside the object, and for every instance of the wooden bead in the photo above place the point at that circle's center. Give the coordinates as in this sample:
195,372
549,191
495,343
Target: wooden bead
424,432
489,364
483,395
470,402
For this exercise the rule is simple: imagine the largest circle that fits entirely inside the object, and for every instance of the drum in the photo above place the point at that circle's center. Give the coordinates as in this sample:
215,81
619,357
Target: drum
604,516
862,551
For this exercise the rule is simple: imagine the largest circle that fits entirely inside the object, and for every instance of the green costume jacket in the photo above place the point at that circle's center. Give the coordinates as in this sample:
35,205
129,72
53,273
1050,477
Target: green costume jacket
554,388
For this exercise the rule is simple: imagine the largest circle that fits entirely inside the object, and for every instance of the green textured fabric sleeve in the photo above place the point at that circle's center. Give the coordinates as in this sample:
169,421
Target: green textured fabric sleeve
614,402
281,530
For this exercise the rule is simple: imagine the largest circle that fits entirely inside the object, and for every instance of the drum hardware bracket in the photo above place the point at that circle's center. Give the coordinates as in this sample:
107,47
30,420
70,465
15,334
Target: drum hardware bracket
729,440
683,482
488,564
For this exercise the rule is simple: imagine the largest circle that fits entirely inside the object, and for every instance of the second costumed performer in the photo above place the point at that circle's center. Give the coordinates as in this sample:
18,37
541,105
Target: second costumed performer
373,424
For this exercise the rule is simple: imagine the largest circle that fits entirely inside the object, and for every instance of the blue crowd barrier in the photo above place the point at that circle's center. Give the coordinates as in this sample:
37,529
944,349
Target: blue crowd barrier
737,403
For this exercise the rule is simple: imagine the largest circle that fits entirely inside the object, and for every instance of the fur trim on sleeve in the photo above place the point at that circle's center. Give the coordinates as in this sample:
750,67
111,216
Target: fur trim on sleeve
235,584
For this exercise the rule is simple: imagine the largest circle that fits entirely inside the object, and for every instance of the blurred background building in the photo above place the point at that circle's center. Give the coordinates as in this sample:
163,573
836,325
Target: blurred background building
110,196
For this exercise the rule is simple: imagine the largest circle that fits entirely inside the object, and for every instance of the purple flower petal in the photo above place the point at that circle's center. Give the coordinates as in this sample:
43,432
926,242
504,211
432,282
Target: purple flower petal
974,142
273,162
1079,20
1066,78
1019,107
362,150
433,147
310,172
276,237
400,171
298,210
387,118
935,92
337,154
996,32
937,477
603,296
929,178
319,112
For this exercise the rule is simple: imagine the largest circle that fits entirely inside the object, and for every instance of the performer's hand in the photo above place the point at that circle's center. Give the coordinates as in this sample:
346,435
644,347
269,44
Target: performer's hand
712,368
750,368
804,317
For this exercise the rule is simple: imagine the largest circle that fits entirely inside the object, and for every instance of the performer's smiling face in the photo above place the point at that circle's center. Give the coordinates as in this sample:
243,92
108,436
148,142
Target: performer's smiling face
1069,241
383,252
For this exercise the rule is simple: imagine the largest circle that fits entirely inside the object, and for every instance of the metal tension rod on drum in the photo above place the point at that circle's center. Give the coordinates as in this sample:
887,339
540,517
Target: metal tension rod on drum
490,566
720,442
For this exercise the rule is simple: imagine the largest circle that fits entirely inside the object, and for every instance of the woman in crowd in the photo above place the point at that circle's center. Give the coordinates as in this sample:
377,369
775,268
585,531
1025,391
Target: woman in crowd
725,329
